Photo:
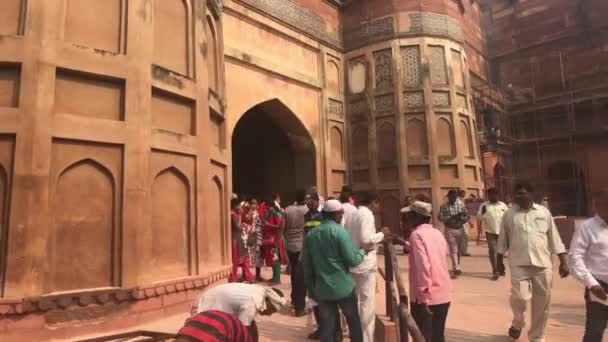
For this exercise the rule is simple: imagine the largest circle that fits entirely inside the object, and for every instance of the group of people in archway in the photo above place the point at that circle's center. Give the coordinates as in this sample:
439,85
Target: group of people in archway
331,248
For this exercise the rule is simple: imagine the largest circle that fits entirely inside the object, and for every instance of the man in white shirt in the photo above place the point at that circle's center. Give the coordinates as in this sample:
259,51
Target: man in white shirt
348,203
530,236
243,300
489,219
588,261
362,230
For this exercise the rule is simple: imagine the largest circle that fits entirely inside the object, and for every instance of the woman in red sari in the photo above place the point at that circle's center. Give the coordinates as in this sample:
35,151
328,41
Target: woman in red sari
273,243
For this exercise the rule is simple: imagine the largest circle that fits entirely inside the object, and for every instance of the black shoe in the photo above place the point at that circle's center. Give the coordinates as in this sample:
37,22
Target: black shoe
458,272
453,275
316,335
514,333
495,276
502,273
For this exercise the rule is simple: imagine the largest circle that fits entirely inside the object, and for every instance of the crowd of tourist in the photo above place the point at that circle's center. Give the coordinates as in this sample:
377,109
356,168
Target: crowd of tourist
329,248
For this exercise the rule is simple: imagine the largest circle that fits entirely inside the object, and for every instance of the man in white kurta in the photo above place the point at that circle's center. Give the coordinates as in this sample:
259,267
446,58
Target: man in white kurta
362,230
530,236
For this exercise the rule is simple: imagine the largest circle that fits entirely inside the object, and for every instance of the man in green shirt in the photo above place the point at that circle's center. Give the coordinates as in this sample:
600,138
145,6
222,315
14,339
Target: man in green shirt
328,254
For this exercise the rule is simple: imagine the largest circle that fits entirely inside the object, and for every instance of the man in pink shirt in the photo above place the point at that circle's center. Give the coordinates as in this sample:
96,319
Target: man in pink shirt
430,283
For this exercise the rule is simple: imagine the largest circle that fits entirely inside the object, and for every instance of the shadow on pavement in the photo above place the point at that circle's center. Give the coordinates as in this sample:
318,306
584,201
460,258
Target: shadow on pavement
467,336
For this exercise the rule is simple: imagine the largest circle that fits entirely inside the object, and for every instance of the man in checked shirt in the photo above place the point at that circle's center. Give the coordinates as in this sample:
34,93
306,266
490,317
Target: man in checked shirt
454,215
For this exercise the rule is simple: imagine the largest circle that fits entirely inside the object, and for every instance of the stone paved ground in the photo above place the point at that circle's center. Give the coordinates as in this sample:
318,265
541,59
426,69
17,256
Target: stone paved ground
480,310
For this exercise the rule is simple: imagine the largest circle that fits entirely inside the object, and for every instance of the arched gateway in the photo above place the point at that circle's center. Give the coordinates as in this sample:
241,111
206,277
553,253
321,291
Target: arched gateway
272,151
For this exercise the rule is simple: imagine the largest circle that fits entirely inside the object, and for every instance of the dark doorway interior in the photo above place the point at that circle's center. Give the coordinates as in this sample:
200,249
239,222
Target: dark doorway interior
271,152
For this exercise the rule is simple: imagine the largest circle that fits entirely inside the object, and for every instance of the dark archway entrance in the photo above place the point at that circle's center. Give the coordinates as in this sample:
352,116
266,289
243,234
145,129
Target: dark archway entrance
567,195
272,152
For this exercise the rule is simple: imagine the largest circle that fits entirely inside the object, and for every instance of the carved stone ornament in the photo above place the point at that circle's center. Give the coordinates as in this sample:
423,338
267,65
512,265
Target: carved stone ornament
335,107
383,66
385,103
410,66
368,32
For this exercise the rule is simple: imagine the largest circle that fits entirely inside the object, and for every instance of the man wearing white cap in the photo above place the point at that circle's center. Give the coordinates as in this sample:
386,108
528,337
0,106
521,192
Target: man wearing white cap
328,254
243,300
430,283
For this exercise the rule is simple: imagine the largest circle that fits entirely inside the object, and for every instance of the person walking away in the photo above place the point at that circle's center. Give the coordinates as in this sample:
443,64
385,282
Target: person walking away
240,253
588,260
530,236
362,230
327,256
454,215
489,219
245,301
430,283
464,243
213,326
348,203
273,244
294,233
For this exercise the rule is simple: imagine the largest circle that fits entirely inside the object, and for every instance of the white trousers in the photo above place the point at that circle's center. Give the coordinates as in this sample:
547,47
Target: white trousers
531,284
366,294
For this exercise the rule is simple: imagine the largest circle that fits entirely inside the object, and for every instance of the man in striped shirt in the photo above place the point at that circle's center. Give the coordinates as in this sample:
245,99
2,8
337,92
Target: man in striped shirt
214,326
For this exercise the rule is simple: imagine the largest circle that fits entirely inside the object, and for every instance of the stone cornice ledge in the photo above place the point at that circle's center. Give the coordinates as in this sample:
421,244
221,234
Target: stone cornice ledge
18,307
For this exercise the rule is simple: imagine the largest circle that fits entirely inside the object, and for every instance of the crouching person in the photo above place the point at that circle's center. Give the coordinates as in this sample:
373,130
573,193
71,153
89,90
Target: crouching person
245,301
213,326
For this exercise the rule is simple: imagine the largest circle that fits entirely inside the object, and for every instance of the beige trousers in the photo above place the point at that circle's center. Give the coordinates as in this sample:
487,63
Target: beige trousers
366,295
529,283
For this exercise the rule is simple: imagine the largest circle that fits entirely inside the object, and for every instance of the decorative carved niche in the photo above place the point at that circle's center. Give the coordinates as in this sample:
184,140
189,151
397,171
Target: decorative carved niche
385,103
383,68
173,113
411,75
10,80
333,76
357,79
336,108
466,139
167,240
416,139
172,20
337,144
12,15
85,200
387,147
457,69
217,133
216,228
359,108
441,99
439,74
88,95
7,150
213,58
96,24
359,138
445,138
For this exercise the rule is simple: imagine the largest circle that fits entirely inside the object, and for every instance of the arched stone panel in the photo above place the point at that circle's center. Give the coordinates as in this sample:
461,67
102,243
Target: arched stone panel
445,138
93,23
333,77
387,149
466,139
83,228
10,16
390,207
416,139
336,141
358,77
360,145
212,54
166,254
216,221
171,22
